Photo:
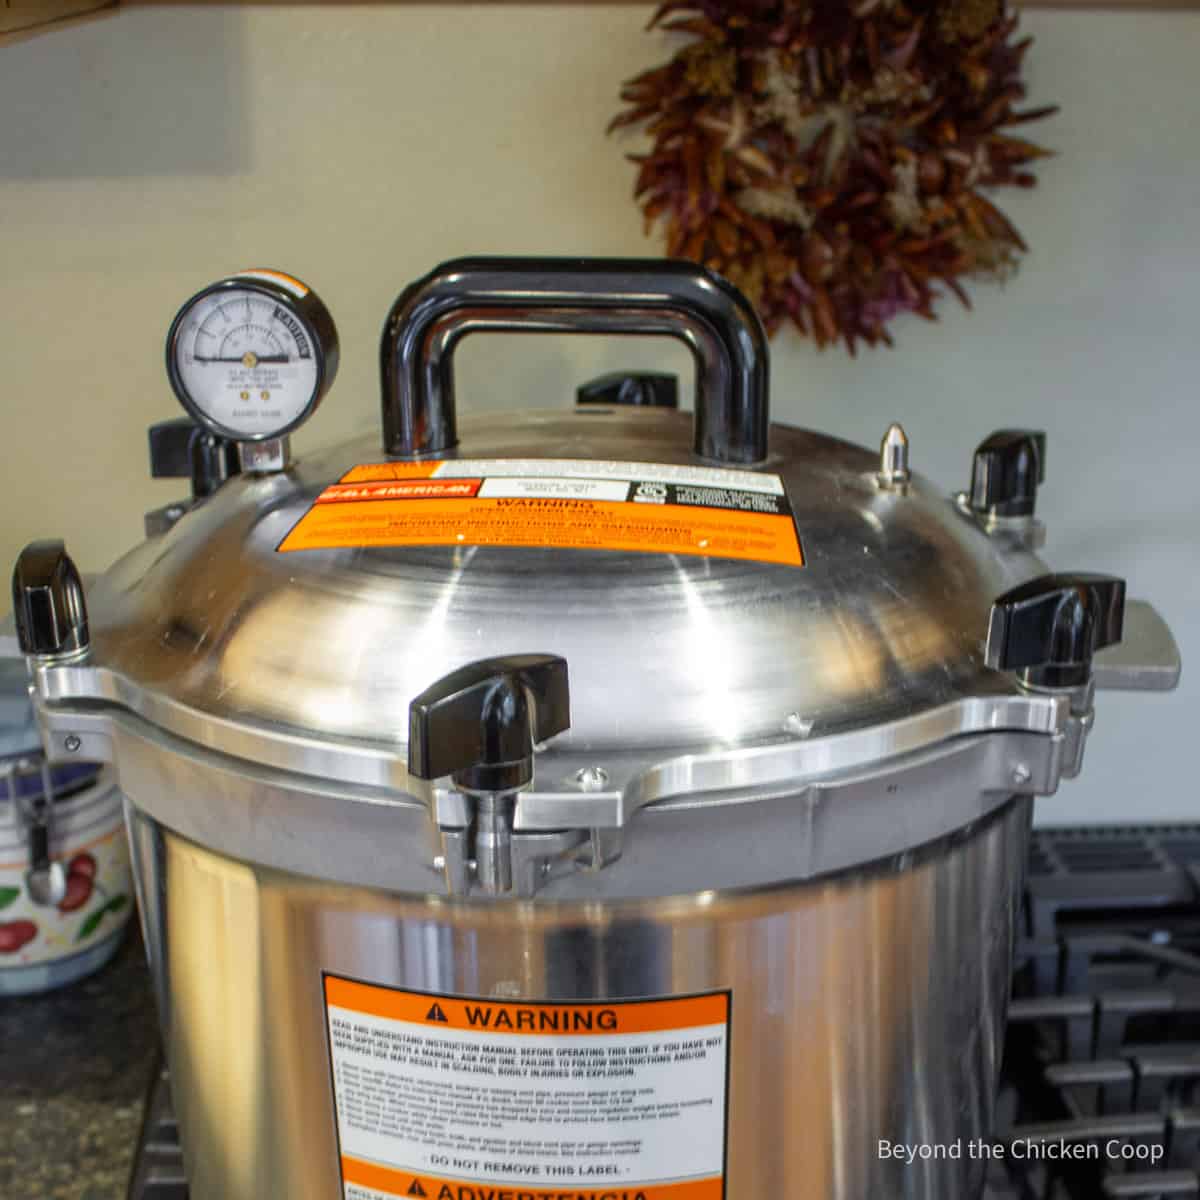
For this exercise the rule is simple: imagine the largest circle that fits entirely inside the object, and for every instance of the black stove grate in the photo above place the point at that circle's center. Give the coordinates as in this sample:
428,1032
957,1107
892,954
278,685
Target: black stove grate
158,1167
1103,1045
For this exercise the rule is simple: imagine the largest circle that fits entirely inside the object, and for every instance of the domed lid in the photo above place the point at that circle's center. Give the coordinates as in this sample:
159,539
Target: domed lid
799,595
710,580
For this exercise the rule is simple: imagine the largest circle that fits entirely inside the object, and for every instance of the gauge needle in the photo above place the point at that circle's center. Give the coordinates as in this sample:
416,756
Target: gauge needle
260,359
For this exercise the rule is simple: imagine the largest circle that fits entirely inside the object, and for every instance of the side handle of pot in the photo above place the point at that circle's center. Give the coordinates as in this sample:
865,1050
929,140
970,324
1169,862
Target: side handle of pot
1147,657
575,295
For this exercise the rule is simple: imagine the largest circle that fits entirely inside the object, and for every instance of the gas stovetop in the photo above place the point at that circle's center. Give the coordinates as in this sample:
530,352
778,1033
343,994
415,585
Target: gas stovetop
1102,1056
1100,1092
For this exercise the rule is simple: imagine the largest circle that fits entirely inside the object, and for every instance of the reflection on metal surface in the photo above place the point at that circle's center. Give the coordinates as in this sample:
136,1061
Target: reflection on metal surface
709,643
882,992
999,705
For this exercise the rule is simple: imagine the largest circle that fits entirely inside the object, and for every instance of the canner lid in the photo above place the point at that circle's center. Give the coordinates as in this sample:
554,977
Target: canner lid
472,661
887,616
18,729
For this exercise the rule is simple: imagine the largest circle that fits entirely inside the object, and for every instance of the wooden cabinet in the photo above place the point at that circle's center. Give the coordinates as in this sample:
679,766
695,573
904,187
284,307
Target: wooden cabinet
23,18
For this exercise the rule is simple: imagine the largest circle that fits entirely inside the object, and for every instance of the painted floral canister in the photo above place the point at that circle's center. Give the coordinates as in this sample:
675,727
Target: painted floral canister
45,945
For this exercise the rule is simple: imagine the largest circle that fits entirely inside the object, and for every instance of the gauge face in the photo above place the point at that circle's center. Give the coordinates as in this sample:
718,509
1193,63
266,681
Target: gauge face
251,356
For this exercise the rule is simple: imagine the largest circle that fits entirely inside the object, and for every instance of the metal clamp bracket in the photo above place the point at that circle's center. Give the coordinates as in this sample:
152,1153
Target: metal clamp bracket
919,778
495,852
480,725
797,809
45,878
576,825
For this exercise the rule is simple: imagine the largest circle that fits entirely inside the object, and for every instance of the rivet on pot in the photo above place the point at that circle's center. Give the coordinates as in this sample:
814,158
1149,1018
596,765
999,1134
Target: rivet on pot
796,724
72,743
591,778
1021,774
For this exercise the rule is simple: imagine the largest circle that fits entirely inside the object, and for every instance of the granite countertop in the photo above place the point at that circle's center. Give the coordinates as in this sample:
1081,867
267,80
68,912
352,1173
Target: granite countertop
75,1065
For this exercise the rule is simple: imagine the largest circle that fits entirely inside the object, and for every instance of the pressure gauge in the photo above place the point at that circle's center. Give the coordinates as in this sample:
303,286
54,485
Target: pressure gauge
251,356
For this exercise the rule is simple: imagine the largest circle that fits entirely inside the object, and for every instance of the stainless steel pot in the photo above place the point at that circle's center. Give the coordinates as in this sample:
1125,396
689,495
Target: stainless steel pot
595,804
867,1006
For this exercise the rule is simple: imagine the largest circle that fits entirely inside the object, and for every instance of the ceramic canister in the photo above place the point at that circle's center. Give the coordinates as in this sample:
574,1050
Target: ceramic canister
44,946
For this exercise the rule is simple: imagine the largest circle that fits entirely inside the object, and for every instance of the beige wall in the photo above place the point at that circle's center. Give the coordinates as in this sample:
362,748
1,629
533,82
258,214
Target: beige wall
144,155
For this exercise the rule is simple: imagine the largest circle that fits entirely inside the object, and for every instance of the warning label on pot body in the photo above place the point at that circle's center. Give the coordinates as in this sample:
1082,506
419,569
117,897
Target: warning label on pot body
564,503
462,1099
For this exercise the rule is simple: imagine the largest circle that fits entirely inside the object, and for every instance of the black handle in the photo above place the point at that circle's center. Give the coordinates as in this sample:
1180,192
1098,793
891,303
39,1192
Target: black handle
181,449
48,602
479,723
575,295
1006,471
644,389
1051,627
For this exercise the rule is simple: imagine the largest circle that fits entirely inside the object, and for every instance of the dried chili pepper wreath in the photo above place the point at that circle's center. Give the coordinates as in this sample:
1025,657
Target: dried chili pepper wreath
828,156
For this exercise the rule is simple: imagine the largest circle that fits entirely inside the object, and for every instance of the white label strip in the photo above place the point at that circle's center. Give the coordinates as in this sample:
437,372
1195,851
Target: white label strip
574,468
566,489
663,1119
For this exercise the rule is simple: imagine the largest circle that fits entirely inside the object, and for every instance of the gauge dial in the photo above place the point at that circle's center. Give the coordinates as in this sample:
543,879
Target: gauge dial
251,356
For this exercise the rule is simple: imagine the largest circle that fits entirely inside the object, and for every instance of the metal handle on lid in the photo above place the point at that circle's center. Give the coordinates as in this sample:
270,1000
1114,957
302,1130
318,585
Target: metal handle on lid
575,295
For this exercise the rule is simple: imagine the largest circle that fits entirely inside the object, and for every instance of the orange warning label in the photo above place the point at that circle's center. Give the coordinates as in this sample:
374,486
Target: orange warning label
542,1019
391,470
561,503
377,1181
461,1098
400,489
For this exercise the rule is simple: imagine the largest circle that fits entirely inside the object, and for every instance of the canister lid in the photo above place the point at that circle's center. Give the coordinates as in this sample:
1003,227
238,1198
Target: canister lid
21,756
18,729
